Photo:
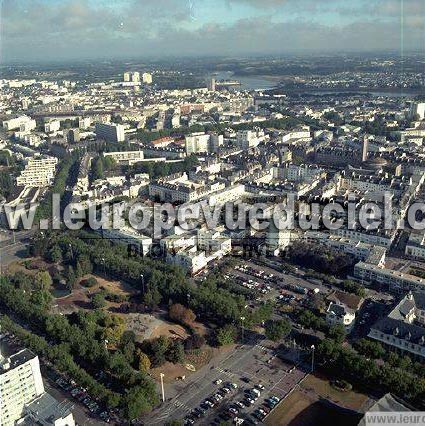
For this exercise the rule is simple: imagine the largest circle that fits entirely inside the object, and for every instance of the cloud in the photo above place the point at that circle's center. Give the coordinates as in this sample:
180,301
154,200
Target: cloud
36,30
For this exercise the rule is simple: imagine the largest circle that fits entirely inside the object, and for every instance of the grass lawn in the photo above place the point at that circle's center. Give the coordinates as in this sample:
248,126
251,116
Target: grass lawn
322,387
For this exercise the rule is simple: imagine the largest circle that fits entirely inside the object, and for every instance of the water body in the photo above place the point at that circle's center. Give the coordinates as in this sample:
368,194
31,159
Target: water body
247,83
258,82
388,93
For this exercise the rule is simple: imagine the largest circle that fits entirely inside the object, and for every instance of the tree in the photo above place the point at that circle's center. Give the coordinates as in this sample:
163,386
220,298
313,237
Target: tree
144,363
370,348
41,298
152,298
158,348
55,254
98,301
337,332
195,341
79,270
115,325
136,403
43,281
277,330
70,277
175,353
181,314
89,282
85,263
226,335
98,169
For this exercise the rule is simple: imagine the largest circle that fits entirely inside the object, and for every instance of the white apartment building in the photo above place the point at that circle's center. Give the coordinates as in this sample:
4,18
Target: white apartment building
16,123
20,384
413,132
126,157
52,126
84,123
213,241
110,132
357,235
190,259
246,139
417,108
39,171
147,78
197,143
216,141
301,133
354,182
183,190
295,173
129,236
27,126
133,77
394,280
23,400
32,140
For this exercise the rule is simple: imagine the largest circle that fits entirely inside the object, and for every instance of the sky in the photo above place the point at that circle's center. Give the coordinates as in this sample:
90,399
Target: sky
45,30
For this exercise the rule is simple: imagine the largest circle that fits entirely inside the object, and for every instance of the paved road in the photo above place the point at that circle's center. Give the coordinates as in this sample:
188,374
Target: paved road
13,247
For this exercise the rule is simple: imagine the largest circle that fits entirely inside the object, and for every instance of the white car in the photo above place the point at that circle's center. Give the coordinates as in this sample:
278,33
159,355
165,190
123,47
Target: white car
218,382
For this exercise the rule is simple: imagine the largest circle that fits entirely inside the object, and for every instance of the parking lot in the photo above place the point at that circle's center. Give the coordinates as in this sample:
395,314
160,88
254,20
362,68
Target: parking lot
226,390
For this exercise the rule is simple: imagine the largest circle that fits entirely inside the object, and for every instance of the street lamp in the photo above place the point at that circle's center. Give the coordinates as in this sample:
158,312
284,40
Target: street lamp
143,283
312,357
104,268
162,386
242,319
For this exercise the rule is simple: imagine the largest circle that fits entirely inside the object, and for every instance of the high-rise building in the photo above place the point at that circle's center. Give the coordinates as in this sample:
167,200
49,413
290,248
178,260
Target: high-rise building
73,135
110,132
247,139
20,383
23,399
196,143
211,85
365,148
215,142
417,110
135,78
147,78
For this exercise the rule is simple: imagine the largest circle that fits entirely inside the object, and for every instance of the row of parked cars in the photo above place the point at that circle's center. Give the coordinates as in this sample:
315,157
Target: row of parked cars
268,405
211,402
234,412
81,395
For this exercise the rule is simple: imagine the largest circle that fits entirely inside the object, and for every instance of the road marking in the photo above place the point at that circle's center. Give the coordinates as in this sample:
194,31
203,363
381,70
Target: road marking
262,347
226,373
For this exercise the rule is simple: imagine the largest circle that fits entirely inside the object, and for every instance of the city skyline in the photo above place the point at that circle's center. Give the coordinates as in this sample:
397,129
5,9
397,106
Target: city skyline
81,29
